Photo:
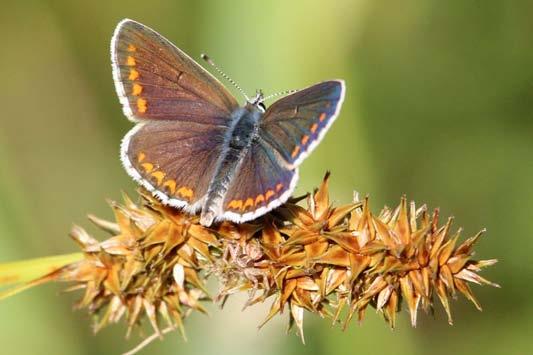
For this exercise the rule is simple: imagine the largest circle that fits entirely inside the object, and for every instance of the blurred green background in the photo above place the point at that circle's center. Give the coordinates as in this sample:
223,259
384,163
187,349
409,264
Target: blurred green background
439,106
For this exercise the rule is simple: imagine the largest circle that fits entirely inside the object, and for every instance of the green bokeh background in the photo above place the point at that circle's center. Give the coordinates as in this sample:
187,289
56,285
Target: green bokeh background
439,106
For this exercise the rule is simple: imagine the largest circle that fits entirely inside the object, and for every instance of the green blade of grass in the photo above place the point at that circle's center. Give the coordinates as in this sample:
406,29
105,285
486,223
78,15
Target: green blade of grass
26,270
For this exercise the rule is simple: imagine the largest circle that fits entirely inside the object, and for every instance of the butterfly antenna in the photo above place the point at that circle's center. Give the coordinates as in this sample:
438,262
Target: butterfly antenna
286,92
210,61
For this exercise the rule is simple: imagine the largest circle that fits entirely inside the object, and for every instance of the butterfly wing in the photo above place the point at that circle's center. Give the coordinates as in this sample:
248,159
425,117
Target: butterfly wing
156,80
174,160
262,183
182,110
290,129
294,125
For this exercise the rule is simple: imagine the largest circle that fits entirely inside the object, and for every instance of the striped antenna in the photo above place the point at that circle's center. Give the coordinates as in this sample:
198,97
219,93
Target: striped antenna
210,61
286,92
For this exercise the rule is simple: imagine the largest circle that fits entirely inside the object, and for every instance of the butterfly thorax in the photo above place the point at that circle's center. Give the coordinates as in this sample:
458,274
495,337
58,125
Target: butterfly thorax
244,126
243,131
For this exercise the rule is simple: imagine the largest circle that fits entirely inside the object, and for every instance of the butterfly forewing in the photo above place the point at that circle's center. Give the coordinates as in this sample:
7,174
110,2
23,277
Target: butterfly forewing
156,80
261,184
295,124
174,160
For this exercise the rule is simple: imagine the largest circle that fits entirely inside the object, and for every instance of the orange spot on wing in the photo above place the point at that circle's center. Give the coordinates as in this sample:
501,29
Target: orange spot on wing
322,117
295,151
136,90
134,74
147,167
141,105
185,192
132,48
314,127
235,204
130,61
260,198
159,176
248,203
171,185
140,157
269,194
305,139
279,187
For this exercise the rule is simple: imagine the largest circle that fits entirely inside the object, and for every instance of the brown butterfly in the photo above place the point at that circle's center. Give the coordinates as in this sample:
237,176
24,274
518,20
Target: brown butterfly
194,147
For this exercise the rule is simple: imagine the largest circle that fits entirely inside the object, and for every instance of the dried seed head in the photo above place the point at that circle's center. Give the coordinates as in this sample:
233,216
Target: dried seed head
319,258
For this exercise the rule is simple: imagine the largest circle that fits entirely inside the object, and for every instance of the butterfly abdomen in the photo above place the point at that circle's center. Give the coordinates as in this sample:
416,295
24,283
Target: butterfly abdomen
243,130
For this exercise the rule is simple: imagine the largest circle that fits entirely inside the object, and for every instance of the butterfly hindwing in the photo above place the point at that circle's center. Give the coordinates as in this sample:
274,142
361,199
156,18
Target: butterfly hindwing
261,184
174,160
295,124
156,80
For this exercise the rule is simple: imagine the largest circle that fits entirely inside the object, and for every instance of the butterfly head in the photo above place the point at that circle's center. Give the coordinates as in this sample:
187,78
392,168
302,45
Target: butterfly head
258,101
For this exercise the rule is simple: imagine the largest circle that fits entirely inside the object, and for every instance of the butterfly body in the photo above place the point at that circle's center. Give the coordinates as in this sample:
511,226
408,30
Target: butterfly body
242,133
194,147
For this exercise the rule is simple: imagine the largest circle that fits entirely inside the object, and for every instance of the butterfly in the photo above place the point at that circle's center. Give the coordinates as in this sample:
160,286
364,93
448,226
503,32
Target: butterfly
194,147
